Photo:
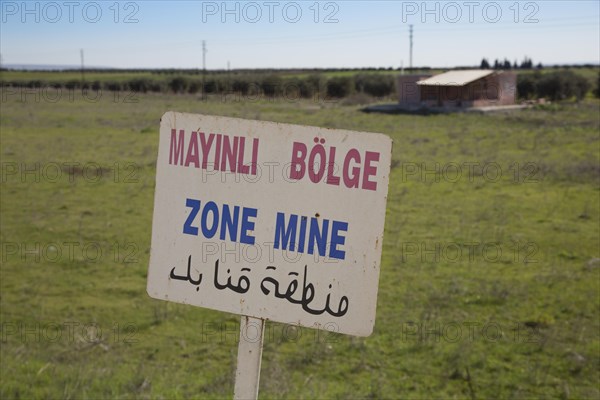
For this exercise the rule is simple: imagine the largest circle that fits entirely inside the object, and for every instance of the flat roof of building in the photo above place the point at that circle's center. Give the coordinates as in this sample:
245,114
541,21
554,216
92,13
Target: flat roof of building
456,78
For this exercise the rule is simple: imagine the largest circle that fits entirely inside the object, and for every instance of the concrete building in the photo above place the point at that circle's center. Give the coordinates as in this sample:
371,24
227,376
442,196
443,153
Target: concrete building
458,89
408,91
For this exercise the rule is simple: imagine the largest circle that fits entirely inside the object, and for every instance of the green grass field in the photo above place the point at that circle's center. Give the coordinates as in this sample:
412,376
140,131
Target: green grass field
490,276
50,77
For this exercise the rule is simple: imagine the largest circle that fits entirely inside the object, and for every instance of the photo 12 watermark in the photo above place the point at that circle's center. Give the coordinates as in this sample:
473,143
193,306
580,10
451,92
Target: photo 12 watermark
448,252
271,92
229,332
469,171
253,12
71,92
53,12
69,171
257,253
69,251
469,331
453,12
68,332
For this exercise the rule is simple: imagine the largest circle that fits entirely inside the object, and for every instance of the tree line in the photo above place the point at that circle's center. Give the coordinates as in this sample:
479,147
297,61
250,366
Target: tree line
527,63
269,85
531,83
555,86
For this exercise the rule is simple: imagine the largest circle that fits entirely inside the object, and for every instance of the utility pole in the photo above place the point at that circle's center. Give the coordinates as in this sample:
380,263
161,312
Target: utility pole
228,76
204,69
410,64
82,69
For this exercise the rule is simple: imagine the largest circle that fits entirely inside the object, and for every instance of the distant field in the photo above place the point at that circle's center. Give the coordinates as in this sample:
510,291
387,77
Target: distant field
489,282
123,76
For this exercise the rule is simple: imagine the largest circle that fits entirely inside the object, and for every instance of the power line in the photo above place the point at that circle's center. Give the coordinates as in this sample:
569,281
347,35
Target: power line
204,69
204,55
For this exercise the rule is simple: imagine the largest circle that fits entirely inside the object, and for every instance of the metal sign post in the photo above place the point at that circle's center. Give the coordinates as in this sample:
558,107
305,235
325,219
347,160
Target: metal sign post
247,375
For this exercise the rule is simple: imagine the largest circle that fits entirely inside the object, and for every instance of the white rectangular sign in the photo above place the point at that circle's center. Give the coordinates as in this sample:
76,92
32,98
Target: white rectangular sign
274,221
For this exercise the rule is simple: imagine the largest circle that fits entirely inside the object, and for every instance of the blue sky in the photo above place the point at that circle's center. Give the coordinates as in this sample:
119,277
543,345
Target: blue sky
300,34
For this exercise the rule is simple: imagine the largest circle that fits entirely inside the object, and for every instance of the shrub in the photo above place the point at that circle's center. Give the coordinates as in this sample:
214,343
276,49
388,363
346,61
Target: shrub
271,86
558,85
113,86
307,87
211,86
194,86
36,84
304,89
178,84
377,85
340,86
72,84
527,85
140,85
240,85
562,85
157,86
